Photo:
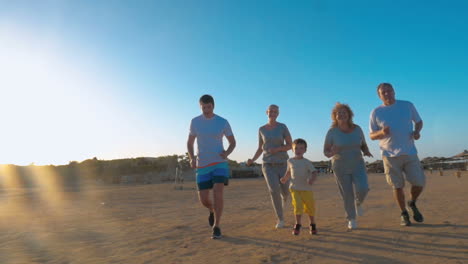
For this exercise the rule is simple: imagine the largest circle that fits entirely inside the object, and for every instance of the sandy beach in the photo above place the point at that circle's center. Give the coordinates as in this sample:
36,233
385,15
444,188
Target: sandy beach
160,224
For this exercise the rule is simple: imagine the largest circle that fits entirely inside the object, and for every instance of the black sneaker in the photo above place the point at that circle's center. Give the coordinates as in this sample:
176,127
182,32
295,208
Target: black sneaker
216,233
405,219
313,229
211,219
417,216
296,230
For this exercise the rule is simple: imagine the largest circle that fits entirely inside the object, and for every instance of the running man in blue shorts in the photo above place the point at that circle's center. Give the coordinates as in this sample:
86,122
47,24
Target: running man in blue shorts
212,170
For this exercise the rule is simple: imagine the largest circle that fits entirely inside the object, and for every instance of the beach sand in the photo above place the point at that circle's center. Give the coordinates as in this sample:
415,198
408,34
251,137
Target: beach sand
159,224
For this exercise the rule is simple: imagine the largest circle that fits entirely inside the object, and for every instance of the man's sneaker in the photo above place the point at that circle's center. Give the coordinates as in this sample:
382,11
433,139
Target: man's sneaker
405,219
352,224
313,229
359,209
211,219
417,216
296,229
216,233
279,224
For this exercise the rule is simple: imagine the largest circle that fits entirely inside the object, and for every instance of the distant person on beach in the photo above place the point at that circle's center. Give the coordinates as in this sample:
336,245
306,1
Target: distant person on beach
303,174
274,140
212,170
392,124
345,144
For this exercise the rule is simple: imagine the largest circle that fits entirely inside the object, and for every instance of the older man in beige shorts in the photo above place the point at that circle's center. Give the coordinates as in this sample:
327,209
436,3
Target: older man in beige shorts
392,124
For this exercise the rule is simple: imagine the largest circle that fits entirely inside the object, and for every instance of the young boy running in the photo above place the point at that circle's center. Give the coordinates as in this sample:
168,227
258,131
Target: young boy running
303,174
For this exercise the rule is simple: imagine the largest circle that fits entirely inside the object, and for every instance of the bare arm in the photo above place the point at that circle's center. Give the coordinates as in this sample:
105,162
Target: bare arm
286,176
313,177
330,150
417,129
190,141
380,134
232,145
257,153
365,150
364,147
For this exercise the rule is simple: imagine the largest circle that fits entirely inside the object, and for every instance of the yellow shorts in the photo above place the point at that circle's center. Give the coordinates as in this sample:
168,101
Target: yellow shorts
303,200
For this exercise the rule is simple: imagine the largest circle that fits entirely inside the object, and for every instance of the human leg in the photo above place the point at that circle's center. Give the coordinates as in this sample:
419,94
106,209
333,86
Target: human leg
281,171
271,177
361,185
309,205
393,167
415,175
399,195
218,197
204,196
344,182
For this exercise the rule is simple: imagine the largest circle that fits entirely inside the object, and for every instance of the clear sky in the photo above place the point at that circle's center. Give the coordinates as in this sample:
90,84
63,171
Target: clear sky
120,79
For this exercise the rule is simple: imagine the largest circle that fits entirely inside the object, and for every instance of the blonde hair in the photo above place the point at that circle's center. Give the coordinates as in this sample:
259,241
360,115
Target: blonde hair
335,109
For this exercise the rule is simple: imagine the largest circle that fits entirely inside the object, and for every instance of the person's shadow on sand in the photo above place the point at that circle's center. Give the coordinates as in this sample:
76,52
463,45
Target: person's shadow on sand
312,250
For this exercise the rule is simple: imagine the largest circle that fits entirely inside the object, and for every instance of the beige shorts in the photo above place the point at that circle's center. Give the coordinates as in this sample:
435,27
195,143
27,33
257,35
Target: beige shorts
399,168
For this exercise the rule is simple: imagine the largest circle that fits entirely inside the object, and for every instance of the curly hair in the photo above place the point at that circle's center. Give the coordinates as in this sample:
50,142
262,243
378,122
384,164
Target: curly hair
335,109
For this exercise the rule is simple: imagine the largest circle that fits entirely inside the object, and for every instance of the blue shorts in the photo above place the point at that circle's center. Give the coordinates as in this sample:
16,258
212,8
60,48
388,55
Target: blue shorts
209,175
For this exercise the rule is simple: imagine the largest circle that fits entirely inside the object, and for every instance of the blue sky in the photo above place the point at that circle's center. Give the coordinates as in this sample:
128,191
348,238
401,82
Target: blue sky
118,79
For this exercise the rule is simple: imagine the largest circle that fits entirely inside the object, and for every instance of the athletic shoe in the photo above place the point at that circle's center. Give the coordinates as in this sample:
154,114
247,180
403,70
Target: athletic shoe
417,216
359,210
296,229
211,219
279,224
313,229
405,221
216,233
352,224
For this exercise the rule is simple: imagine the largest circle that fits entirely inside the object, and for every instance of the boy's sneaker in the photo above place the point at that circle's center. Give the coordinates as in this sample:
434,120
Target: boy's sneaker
417,216
405,221
211,219
216,233
296,229
313,229
352,224
279,224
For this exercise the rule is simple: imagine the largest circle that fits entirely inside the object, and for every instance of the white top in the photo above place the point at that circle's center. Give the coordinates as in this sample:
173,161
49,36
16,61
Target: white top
301,170
209,133
399,117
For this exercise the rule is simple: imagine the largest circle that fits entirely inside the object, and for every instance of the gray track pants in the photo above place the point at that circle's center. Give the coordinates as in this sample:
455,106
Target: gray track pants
279,192
353,187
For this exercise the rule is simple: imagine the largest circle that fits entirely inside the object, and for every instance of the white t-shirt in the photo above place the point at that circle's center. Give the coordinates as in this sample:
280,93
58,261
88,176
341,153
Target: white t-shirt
399,117
301,170
209,133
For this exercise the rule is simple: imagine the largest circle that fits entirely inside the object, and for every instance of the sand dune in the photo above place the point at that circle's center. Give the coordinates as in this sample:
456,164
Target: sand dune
158,224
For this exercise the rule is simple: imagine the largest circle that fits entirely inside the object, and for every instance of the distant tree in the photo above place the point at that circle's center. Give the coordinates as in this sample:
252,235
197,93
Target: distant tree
183,161
233,163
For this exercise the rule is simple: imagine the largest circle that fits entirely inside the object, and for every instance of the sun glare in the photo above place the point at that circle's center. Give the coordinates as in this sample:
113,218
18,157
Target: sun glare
53,109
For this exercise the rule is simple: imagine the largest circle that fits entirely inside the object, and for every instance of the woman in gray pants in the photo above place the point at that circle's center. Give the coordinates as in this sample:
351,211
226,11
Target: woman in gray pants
344,143
274,140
